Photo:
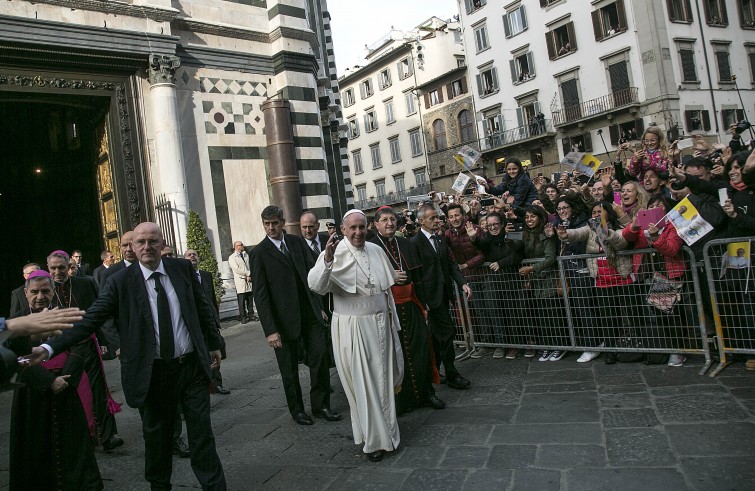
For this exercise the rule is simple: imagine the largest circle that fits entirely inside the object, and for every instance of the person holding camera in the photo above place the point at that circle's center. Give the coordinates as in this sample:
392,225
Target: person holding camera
499,287
736,144
652,154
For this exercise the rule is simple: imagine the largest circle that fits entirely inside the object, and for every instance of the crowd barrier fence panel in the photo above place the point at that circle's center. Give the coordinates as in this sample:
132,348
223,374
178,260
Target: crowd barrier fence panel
729,276
563,309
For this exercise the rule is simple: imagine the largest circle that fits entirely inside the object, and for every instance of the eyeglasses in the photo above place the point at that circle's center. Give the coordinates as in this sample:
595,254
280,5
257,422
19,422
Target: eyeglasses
654,140
563,208
494,224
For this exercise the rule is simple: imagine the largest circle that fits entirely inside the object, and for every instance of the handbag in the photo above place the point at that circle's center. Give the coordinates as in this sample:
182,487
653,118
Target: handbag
664,293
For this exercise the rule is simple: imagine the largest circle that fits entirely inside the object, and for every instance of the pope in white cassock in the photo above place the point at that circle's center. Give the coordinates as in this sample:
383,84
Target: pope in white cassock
364,330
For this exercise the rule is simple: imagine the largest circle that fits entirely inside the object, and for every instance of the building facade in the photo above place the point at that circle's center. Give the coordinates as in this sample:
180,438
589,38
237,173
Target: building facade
132,111
384,105
553,76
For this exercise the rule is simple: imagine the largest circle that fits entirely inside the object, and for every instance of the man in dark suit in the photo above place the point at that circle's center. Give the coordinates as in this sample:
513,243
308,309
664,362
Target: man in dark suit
98,274
83,269
128,257
309,229
205,279
439,269
18,302
279,265
163,319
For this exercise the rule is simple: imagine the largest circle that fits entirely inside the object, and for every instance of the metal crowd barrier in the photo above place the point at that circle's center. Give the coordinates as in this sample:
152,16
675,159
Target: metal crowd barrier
730,281
460,318
563,309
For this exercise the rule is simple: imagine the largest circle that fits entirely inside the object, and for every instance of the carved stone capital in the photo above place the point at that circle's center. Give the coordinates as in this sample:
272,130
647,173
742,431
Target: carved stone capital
162,68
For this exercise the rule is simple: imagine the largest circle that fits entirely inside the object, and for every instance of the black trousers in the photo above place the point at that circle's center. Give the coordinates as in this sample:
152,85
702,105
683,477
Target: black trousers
313,335
245,304
175,383
442,329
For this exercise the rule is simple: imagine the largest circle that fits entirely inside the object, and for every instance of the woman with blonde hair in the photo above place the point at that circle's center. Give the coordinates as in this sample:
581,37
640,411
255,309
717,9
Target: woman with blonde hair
633,199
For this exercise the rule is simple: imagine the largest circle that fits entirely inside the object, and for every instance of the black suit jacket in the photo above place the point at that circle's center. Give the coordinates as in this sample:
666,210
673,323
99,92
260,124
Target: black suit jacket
112,270
275,293
323,239
124,297
84,291
208,288
99,274
83,270
438,271
18,303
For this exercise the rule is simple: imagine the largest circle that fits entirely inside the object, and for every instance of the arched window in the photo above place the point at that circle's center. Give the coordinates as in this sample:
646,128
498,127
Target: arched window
439,134
466,126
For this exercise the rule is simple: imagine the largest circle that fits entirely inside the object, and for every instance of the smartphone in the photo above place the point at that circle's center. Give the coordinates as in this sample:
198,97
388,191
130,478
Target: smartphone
723,195
686,143
487,201
539,174
617,197
555,177
338,236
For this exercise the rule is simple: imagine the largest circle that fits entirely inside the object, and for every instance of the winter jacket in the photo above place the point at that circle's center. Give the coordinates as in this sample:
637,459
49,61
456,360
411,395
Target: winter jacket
464,250
744,223
669,245
497,249
603,273
544,278
520,187
655,161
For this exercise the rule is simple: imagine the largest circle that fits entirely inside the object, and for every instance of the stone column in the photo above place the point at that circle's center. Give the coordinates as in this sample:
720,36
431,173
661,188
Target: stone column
284,176
168,150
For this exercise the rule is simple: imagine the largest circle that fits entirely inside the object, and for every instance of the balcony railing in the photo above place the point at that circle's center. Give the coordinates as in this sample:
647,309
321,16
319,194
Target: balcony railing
593,107
514,135
391,198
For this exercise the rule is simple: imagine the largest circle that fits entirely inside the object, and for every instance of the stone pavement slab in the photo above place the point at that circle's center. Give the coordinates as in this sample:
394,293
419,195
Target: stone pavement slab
523,425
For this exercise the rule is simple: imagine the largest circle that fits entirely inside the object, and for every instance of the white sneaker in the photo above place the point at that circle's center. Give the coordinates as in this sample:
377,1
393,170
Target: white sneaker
481,352
588,356
557,355
676,360
498,353
544,356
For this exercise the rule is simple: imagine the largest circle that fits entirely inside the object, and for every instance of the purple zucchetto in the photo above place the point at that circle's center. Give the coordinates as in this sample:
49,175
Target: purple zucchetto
60,253
40,274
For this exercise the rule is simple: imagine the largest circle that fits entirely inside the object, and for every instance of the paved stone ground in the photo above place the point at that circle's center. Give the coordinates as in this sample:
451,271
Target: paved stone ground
522,425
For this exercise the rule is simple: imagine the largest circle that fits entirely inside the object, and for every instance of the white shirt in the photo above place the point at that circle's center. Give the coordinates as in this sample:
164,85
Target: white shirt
181,337
314,241
277,242
430,238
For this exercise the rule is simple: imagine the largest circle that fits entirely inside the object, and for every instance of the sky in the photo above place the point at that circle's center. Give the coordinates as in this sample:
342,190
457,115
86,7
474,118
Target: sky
358,22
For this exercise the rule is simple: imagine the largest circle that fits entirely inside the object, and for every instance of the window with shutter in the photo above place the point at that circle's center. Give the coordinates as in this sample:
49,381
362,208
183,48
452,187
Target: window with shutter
715,13
395,149
439,134
466,126
689,70
751,56
356,158
706,120
410,106
746,13
414,139
724,68
609,20
389,116
679,10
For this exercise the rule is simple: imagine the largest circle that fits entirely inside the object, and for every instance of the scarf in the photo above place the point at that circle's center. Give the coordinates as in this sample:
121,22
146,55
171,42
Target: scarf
740,186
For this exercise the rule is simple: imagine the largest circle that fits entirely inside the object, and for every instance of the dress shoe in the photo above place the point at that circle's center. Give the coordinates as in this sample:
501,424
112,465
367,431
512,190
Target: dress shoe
181,448
376,456
458,382
255,318
244,320
326,413
222,390
112,443
434,403
301,418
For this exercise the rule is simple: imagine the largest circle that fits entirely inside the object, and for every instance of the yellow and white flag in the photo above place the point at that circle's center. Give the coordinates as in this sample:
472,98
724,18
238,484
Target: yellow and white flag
467,157
690,226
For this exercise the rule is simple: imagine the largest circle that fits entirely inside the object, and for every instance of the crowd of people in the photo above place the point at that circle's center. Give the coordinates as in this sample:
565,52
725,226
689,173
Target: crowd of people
386,285
509,239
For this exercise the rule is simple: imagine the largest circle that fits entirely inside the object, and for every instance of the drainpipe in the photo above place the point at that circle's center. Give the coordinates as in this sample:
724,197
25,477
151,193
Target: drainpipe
707,65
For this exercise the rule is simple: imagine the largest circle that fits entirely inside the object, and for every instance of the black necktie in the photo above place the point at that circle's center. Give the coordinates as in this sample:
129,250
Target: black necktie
436,240
284,249
316,247
164,322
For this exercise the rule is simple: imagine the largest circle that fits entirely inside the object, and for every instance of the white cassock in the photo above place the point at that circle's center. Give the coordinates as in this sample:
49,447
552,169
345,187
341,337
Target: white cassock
365,340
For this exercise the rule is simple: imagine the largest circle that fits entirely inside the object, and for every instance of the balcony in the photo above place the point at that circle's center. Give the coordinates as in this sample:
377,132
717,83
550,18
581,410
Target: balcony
391,198
536,129
594,107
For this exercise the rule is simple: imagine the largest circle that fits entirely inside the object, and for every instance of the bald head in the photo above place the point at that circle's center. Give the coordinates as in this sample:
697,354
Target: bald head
127,249
148,244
